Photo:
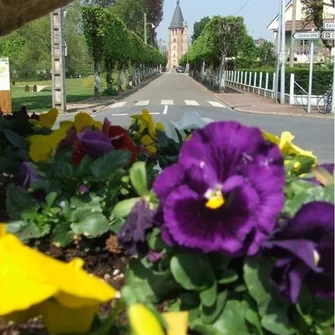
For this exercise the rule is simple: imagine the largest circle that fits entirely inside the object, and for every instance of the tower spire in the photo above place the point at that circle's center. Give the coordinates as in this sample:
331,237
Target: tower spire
178,2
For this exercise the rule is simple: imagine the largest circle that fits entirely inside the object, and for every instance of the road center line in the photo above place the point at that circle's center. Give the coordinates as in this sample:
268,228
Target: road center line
154,113
121,114
166,107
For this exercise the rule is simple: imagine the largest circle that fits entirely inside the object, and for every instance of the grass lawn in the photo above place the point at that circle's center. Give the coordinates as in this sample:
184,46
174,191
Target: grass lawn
76,90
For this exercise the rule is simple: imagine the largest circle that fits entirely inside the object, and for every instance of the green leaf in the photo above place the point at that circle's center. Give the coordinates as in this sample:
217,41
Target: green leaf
50,199
83,169
104,167
88,223
253,318
18,200
26,231
202,329
232,319
192,271
209,294
229,276
210,314
145,285
138,177
123,208
272,309
317,193
62,234
15,139
155,241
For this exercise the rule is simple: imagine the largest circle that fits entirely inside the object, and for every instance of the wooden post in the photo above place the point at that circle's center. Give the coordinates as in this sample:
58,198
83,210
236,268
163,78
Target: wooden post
5,92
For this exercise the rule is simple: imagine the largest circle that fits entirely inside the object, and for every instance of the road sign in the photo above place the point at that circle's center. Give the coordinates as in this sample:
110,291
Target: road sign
329,25
307,35
328,35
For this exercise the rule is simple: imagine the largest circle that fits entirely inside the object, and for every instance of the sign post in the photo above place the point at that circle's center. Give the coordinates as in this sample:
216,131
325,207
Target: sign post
5,92
330,35
311,36
58,60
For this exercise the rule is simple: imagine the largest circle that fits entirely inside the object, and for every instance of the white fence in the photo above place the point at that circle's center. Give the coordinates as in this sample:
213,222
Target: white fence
263,83
255,82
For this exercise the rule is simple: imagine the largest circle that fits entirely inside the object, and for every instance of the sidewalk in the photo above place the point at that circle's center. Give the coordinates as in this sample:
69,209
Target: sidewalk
243,101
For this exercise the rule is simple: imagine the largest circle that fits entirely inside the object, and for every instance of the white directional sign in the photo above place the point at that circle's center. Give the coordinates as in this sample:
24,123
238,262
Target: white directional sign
307,35
329,25
328,35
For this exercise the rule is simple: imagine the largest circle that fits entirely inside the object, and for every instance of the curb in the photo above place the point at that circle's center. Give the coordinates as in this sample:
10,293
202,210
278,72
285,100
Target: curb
241,110
105,105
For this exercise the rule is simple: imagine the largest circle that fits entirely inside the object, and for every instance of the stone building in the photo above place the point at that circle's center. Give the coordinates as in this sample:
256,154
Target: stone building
178,38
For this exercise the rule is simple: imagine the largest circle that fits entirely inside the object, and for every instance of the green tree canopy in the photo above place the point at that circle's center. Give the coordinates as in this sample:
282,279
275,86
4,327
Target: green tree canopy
199,26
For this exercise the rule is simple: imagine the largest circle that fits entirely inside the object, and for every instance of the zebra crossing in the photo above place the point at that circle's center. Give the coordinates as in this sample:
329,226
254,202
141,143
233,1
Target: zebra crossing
166,102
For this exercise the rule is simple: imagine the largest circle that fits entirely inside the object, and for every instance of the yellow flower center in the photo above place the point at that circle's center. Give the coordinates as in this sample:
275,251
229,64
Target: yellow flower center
215,199
316,257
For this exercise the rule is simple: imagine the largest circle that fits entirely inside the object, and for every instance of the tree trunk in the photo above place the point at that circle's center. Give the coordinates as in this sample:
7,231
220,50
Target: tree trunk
126,77
97,79
222,74
119,79
109,78
134,80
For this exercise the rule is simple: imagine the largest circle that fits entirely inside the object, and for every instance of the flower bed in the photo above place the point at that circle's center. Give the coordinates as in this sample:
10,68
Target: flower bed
198,227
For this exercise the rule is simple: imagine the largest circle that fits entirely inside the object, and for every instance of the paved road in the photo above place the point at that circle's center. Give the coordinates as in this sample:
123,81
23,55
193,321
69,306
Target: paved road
172,94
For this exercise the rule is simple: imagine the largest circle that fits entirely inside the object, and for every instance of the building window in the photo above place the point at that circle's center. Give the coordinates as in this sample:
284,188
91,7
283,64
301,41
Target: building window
174,40
174,47
174,55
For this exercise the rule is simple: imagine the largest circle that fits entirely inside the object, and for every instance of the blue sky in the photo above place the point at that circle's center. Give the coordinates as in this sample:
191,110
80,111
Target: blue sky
257,14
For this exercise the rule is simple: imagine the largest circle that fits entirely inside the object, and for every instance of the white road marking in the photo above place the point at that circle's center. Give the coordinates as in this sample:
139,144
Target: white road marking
166,107
120,114
191,103
216,104
167,102
154,113
142,103
118,104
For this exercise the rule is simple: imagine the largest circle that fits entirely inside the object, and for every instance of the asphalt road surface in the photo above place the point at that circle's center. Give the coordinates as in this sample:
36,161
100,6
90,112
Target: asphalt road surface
172,94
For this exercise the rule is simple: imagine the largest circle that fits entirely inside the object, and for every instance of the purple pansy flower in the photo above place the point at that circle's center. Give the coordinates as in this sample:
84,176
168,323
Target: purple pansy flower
95,143
304,250
132,235
155,256
225,192
28,174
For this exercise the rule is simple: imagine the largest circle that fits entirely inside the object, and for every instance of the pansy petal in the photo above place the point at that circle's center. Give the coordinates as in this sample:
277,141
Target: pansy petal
301,249
165,183
44,277
48,119
177,322
313,221
194,226
62,320
143,321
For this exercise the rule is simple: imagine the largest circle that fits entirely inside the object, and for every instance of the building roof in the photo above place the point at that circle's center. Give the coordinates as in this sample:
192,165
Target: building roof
177,19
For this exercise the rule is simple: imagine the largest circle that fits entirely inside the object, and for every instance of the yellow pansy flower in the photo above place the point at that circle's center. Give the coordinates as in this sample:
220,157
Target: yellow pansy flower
286,146
44,146
34,284
146,122
48,119
83,119
149,144
144,322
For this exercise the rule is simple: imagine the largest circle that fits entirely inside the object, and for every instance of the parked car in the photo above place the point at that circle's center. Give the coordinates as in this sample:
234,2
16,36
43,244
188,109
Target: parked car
180,69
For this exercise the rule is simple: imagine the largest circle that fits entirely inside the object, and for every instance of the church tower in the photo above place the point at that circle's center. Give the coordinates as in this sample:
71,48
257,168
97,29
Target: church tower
178,38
